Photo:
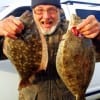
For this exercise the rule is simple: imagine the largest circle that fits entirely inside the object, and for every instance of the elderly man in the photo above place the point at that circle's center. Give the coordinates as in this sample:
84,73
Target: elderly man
46,16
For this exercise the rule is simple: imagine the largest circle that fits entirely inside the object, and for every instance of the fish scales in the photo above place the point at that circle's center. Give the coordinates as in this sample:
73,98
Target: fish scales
75,61
28,52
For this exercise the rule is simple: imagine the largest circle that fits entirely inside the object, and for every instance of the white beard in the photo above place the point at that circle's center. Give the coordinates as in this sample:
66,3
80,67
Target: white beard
50,31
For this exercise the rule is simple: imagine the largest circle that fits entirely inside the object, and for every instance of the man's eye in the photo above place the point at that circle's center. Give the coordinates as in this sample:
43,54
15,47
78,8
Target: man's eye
52,10
40,10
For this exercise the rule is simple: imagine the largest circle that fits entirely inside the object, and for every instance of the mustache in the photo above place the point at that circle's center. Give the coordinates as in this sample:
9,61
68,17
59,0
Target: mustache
46,21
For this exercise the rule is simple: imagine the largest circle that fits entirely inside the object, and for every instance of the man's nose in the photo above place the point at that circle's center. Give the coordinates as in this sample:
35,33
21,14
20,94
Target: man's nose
46,14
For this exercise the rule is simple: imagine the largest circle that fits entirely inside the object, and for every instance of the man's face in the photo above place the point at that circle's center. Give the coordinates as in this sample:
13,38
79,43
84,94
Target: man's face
47,18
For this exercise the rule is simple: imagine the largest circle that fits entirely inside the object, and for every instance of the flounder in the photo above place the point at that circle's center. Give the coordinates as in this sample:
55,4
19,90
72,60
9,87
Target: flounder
28,53
75,61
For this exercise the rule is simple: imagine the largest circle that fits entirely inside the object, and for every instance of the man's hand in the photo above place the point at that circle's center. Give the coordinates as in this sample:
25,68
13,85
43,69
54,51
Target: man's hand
10,26
89,27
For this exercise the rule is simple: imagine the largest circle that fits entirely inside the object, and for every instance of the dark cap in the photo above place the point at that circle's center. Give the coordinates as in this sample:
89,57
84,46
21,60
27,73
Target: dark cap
56,3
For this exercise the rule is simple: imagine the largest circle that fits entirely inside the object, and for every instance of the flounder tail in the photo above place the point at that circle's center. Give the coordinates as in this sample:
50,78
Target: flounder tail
23,84
80,97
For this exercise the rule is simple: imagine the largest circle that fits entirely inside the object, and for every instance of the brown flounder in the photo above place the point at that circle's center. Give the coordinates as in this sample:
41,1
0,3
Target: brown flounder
75,61
28,52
